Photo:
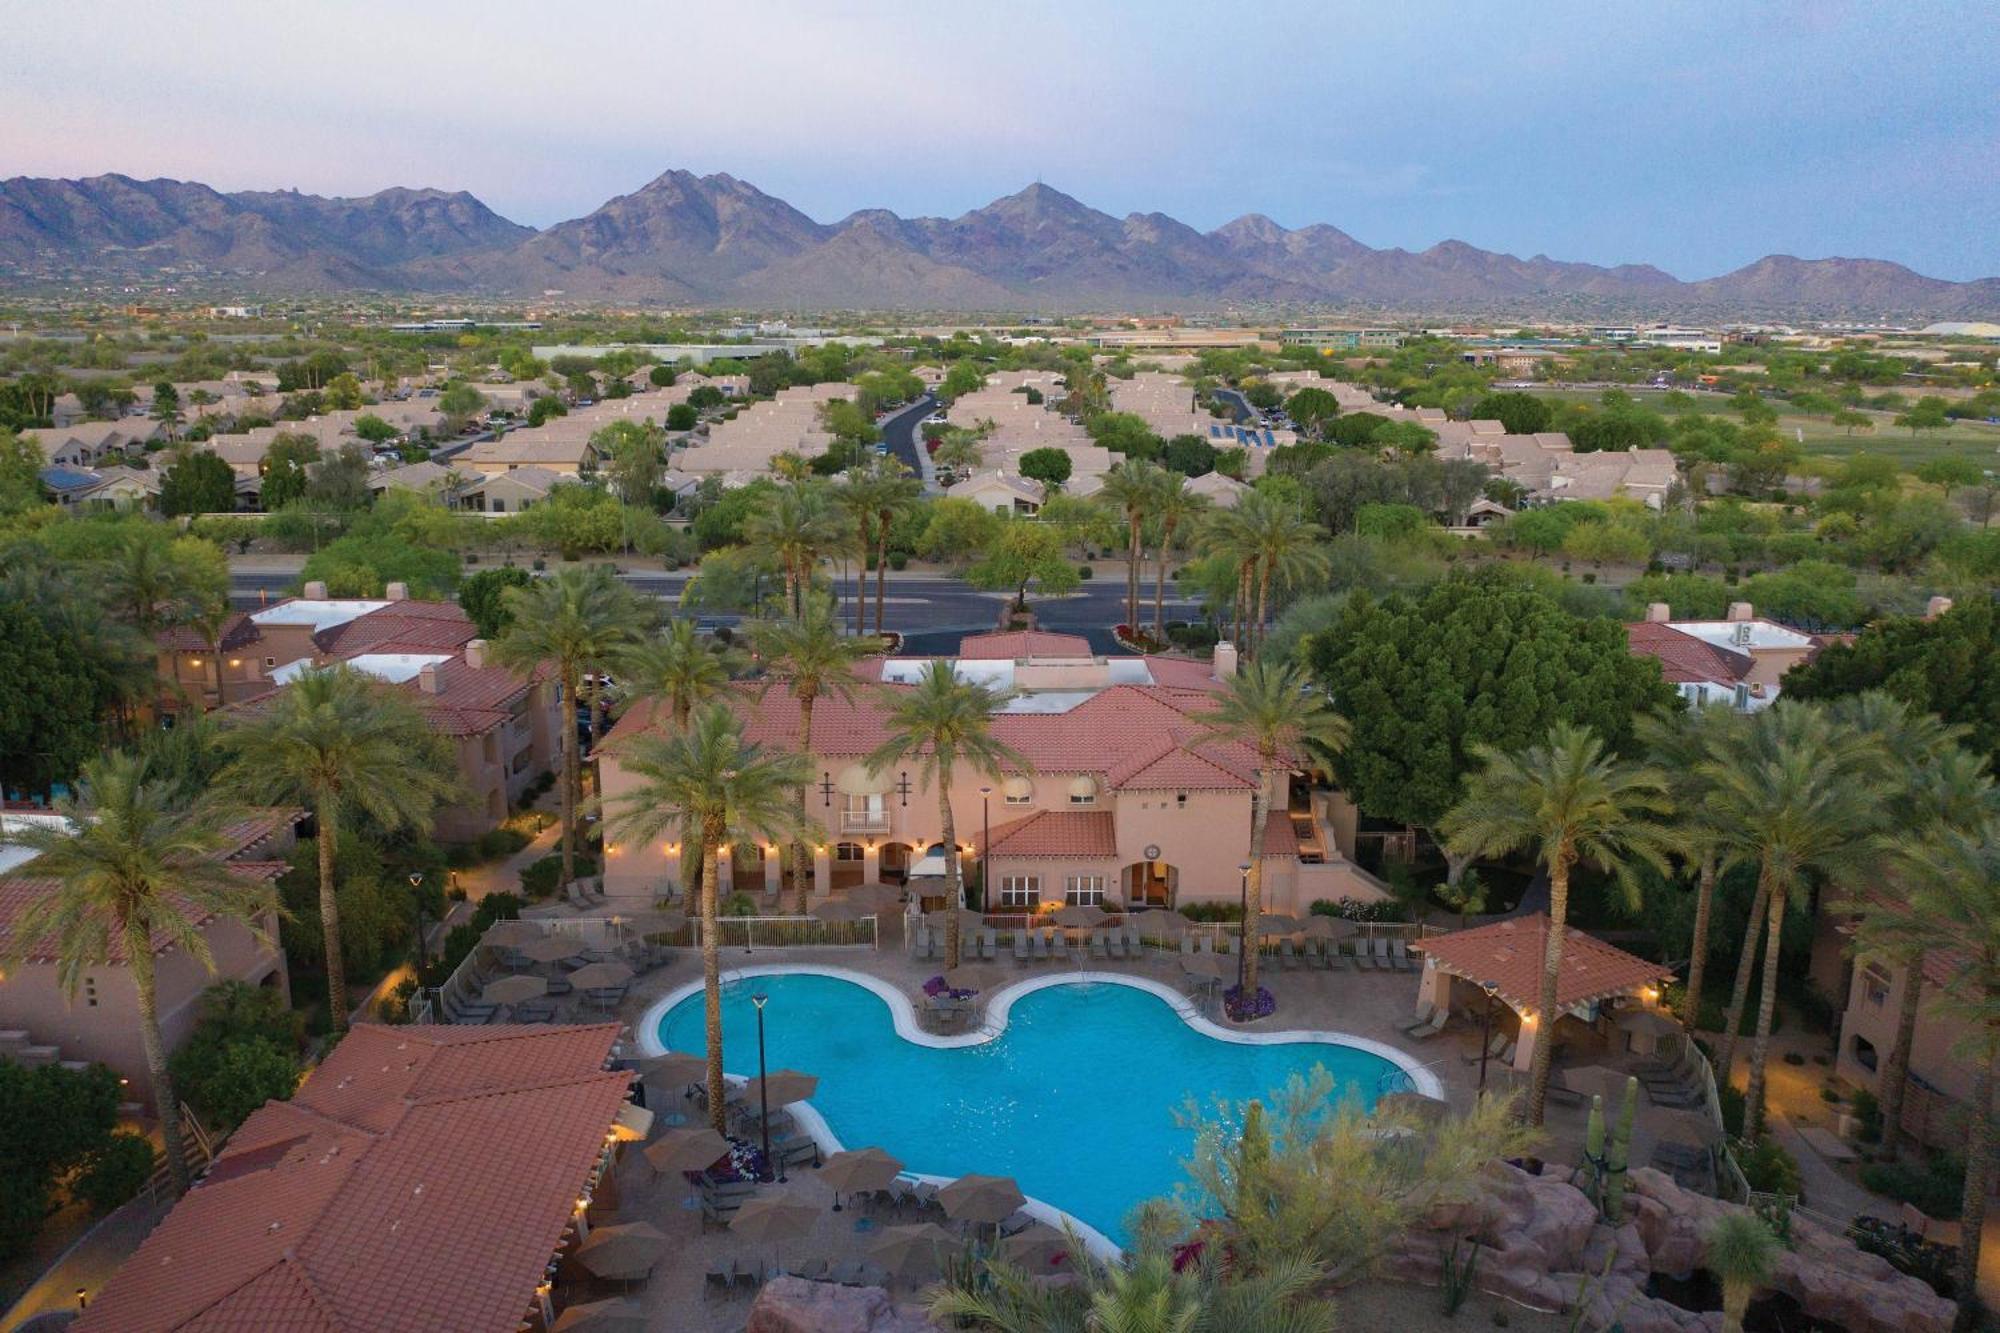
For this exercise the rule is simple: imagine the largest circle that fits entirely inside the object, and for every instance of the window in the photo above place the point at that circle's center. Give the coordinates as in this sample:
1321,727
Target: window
1180,800
864,812
1083,890
1025,798
1020,890
1083,797
849,851
270,661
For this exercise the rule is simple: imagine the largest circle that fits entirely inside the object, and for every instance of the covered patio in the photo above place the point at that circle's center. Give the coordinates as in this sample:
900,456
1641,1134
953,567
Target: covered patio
1501,964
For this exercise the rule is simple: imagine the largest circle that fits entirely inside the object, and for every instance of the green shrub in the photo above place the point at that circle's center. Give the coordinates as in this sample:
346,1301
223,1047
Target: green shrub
242,1052
1085,572
1732,1101
115,1172
1769,1168
738,904
1936,1186
1868,1110
1212,911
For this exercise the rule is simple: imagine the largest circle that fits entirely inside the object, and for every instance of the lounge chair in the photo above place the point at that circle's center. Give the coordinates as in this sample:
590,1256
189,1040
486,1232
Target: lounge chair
560,986
1494,1045
1399,951
989,945
1287,956
1041,946
1187,946
1424,1014
1114,944
1097,946
1364,961
1431,1028
1383,962
534,1011
1020,946
1226,945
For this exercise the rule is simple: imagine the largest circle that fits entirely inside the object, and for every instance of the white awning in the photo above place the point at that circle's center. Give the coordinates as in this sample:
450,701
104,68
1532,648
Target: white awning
856,780
1083,789
1017,789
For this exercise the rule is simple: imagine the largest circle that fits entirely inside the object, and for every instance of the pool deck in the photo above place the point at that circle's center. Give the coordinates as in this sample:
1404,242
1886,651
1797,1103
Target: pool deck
1367,1005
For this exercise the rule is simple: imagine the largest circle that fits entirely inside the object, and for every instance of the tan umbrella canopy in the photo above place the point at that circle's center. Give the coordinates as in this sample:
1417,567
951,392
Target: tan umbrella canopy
1276,923
860,1169
632,1123
686,1150
1650,1022
615,1316
674,1067
1081,915
1163,923
592,976
911,1251
837,909
965,976
781,1086
1596,1081
1330,927
626,1251
977,1198
873,897
773,1217
513,990
512,933
548,948
1414,1106
1208,965
1039,1249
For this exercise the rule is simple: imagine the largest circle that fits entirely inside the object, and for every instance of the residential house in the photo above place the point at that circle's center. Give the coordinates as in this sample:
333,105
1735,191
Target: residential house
1738,661
40,1022
507,492
1003,494
1941,1084
1219,489
559,452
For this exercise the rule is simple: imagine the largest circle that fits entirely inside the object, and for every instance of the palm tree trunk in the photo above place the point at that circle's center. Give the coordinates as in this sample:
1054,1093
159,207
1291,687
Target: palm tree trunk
1253,884
569,777
801,878
861,588
165,1099
1132,555
951,859
1739,994
1978,1179
1767,1008
1241,616
1895,1078
1263,603
881,568
711,978
1543,1059
329,917
1160,584
1704,903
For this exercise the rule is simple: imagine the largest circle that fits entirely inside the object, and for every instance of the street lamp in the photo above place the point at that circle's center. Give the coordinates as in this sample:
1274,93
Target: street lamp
1242,914
986,900
763,1089
1486,1035
423,956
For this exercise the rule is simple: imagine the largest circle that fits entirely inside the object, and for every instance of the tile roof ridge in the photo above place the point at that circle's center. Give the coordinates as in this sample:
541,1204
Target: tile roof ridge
513,1089
233,1292
298,1269
327,1118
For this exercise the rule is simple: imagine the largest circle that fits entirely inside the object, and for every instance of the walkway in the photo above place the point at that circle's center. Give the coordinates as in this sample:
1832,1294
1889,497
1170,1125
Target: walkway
86,1265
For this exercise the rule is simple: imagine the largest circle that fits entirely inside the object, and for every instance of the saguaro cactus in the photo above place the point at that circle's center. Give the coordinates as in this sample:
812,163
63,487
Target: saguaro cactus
1619,1156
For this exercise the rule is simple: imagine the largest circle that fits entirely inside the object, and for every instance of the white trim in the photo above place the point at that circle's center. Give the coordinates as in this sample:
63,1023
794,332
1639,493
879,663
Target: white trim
904,1016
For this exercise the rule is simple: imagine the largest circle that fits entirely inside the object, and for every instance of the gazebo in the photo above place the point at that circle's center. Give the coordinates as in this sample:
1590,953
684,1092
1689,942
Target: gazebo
1504,959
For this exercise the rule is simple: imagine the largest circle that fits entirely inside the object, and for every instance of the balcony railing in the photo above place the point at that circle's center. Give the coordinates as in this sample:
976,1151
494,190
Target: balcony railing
864,821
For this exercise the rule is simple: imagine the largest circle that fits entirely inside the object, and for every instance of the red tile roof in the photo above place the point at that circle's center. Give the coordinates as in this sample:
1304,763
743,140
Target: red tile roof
1023,643
1684,659
1064,833
425,626
420,1179
1508,956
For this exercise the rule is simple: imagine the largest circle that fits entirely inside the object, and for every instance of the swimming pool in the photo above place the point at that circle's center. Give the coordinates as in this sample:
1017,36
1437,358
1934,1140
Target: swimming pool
1075,1097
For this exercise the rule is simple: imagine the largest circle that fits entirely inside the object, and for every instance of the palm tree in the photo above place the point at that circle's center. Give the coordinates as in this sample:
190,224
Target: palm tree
138,869
1223,536
1134,489
1284,548
1952,878
145,583
336,742
717,790
937,724
1273,711
579,619
211,620
876,495
1570,800
960,451
1173,506
812,658
678,666
1800,797
799,525
1678,743
1740,1252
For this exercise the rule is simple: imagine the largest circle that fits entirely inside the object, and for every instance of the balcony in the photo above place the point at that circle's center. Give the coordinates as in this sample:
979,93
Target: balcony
864,821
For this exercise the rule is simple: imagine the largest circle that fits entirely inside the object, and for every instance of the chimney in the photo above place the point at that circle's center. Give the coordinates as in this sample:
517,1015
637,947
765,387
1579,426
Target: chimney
427,678
1225,660
475,654
1658,613
1936,607
1739,611
315,591
399,592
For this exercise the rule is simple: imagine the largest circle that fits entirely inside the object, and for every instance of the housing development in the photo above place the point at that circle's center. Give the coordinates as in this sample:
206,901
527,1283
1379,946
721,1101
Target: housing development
893,763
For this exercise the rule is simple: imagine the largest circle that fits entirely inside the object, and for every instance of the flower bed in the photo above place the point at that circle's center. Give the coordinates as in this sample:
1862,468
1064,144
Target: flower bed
1242,1009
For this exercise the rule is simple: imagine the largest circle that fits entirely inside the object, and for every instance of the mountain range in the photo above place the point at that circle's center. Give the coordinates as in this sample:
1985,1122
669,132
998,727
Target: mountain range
687,240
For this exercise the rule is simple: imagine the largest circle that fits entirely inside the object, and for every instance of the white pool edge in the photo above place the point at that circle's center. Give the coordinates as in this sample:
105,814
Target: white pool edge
904,1015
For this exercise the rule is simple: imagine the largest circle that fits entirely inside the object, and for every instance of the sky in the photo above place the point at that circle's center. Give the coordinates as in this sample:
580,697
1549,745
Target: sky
1694,136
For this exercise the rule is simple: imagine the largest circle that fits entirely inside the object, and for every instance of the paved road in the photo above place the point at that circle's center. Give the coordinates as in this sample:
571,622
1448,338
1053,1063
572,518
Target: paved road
903,433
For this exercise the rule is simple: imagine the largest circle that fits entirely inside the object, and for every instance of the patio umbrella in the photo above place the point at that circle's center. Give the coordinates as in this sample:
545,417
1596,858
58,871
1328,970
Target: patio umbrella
626,1251
1081,915
1276,923
837,909
548,948
594,976
967,919
963,977
860,1169
782,1086
1330,928
911,1251
675,1068
1162,923
977,1198
512,933
772,1218
1650,1022
622,1315
680,1150
1039,1249
632,1123
513,990
1414,1105
1596,1081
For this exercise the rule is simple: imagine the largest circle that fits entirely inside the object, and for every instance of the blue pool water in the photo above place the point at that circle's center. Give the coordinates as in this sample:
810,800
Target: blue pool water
1075,1099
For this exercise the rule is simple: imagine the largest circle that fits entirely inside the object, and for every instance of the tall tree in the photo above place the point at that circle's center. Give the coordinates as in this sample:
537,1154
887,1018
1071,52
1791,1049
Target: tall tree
679,666
1133,488
799,525
1678,743
1799,798
1272,709
716,789
876,495
138,867
936,725
1174,508
810,658
1284,548
340,743
1570,801
579,620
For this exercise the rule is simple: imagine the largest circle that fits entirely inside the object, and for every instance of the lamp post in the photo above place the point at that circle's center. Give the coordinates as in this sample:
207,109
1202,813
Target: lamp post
1486,1036
763,1089
1242,914
423,955
986,901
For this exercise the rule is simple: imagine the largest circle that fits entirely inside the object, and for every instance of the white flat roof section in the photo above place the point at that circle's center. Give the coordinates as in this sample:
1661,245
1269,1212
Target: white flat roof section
319,614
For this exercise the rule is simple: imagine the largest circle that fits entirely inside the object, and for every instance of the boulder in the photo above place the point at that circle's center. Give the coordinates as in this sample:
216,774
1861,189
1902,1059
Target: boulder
1559,1222
794,1305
